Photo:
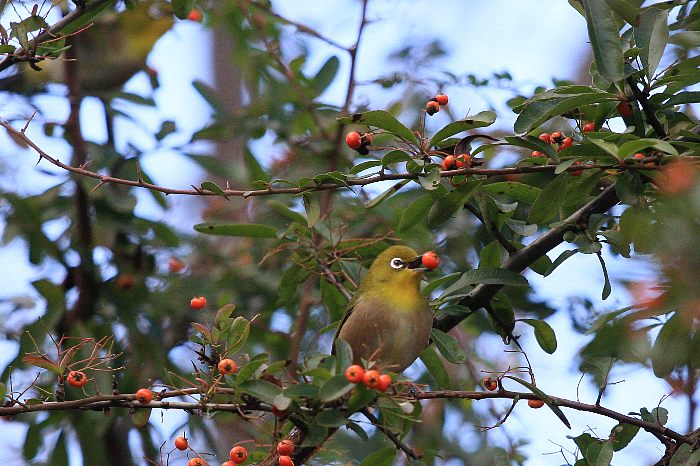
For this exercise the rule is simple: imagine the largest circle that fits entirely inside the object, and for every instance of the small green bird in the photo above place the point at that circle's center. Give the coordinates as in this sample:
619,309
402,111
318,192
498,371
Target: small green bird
388,320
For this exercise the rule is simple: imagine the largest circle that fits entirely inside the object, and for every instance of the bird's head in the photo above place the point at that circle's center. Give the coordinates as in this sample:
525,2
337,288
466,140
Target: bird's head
396,266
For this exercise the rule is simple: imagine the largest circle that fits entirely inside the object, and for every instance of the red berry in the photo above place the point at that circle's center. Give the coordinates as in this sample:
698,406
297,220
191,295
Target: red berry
353,140
371,378
384,382
556,137
355,373
448,163
430,260
278,412
181,443
366,139
285,461
198,302
77,379
624,108
175,265
227,366
228,463
546,137
537,154
638,156
197,462
442,99
565,144
535,404
490,384
195,15
144,396
432,107
285,447
588,127
576,172
238,454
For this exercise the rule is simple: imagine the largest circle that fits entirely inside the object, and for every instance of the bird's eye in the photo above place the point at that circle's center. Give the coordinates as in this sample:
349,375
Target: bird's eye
397,263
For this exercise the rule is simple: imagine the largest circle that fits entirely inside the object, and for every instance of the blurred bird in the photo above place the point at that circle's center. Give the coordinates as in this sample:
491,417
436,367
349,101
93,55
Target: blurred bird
388,320
108,53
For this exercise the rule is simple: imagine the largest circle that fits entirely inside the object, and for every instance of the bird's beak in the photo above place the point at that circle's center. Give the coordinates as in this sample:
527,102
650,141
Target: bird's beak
417,265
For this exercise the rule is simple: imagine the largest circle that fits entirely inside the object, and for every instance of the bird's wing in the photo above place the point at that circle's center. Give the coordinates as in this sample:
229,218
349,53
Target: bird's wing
348,312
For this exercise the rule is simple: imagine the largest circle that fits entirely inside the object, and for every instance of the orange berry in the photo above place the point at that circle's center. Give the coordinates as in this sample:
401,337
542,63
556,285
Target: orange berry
371,378
353,140
366,139
430,260
238,454
77,379
227,366
556,138
490,384
197,462
355,373
175,265
181,443
285,461
228,463
638,156
442,99
285,447
144,396
195,15
432,107
625,110
546,137
565,144
384,382
537,154
535,404
198,302
588,127
576,172
448,163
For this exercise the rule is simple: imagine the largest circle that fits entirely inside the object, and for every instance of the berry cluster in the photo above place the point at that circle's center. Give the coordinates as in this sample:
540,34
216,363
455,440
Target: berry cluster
359,142
371,378
433,105
491,384
454,162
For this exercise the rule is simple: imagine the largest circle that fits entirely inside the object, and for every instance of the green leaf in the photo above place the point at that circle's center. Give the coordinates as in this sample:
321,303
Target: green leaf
326,74
631,147
353,426
224,313
449,204
606,286
517,191
479,120
685,456
313,209
652,36
671,346
383,120
140,417
41,361
281,209
533,143
251,230
544,334
629,11
686,39
435,367
490,255
383,457
448,346
488,276
544,397
330,418
622,434
289,284
334,388
237,334
537,112
387,194
415,213
599,454
214,188
395,156
549,201
261,390
301,390
605,40
254,169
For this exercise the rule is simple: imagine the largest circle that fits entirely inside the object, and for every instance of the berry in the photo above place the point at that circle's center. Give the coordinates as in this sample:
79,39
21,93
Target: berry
198,303
535,404
181,443
432,107
195,15
462,160
227,366
556,137
279,413
565,144
371,378
125,281
384,382
576,172
638,156
588,127
624,108
77,379
448,163
285,447
442,99
238,454
546,137
353,140
197,462
355,373
366,139
285,461
228,463
490,384
430,260
175,265
537,154
144,396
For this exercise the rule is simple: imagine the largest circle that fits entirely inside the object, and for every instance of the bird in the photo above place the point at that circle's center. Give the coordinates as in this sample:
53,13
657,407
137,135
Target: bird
388,321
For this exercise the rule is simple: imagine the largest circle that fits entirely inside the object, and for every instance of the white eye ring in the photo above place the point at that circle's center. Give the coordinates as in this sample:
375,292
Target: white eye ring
397,263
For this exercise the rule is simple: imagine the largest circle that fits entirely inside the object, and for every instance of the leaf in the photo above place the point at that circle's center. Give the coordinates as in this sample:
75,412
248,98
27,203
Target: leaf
415,213
383,457
685,456
559,260
544,334
448,346
492,276
537,112
313,209
224,313
237,334
544,397
289,284
251,230
301,390
517,191
605,40
629,11
533,143
383,120
479,120
386,194
330,418
631,147
326,74
449,204
435,368
334,388
41,361
599,454
254,169
261,390
353,426
549,201
670,349
606,287
622,434
140,417
213,187
652,36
